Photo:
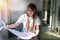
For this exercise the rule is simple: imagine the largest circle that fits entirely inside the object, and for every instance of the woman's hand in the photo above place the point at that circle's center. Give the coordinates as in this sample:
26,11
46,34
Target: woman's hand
9,26
34,35
6,27
12,25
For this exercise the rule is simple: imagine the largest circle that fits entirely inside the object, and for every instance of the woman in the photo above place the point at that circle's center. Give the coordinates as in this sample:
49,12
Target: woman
30,20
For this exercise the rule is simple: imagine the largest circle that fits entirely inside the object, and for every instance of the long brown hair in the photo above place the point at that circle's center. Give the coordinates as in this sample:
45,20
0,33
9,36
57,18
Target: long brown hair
33,8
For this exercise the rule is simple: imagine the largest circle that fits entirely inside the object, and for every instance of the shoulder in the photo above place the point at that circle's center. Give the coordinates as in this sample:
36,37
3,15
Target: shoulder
37,17
22,16
37,20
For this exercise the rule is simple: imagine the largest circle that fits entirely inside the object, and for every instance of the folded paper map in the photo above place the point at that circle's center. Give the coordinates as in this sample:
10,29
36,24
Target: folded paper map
22,35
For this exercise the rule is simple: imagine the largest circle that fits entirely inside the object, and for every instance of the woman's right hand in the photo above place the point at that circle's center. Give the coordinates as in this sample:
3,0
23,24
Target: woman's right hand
12,25
6,27
9,26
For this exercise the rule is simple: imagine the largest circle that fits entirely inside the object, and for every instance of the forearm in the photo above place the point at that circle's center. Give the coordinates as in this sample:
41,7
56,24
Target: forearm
37,31
13,25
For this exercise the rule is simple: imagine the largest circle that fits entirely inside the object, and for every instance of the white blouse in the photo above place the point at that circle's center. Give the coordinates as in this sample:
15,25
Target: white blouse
23,19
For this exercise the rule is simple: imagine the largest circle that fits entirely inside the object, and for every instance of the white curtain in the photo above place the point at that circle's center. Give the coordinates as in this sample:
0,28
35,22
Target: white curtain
4,10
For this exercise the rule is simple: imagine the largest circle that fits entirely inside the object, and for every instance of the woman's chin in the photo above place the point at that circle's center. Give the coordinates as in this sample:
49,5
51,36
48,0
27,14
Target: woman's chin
30,16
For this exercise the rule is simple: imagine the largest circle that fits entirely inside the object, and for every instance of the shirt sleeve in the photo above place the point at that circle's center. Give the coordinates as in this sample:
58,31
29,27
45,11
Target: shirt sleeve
20,20
37,21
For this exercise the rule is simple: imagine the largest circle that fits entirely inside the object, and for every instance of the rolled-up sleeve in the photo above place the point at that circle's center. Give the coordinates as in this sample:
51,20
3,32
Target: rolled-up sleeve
37,21
20,20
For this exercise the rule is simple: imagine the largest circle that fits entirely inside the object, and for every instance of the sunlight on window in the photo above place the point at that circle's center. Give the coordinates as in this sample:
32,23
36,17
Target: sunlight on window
3,6
3,3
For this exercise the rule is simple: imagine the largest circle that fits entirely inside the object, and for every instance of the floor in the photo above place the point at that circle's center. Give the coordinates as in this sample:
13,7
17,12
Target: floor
44,35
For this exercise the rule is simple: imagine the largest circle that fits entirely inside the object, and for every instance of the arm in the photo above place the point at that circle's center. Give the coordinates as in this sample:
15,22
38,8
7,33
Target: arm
37,30
13,25
19,21
37,26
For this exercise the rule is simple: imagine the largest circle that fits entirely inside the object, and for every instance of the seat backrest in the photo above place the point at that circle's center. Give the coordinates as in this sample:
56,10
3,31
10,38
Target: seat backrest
14,16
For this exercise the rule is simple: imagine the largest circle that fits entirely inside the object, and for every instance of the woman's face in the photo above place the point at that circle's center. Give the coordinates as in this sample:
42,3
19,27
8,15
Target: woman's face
30,12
